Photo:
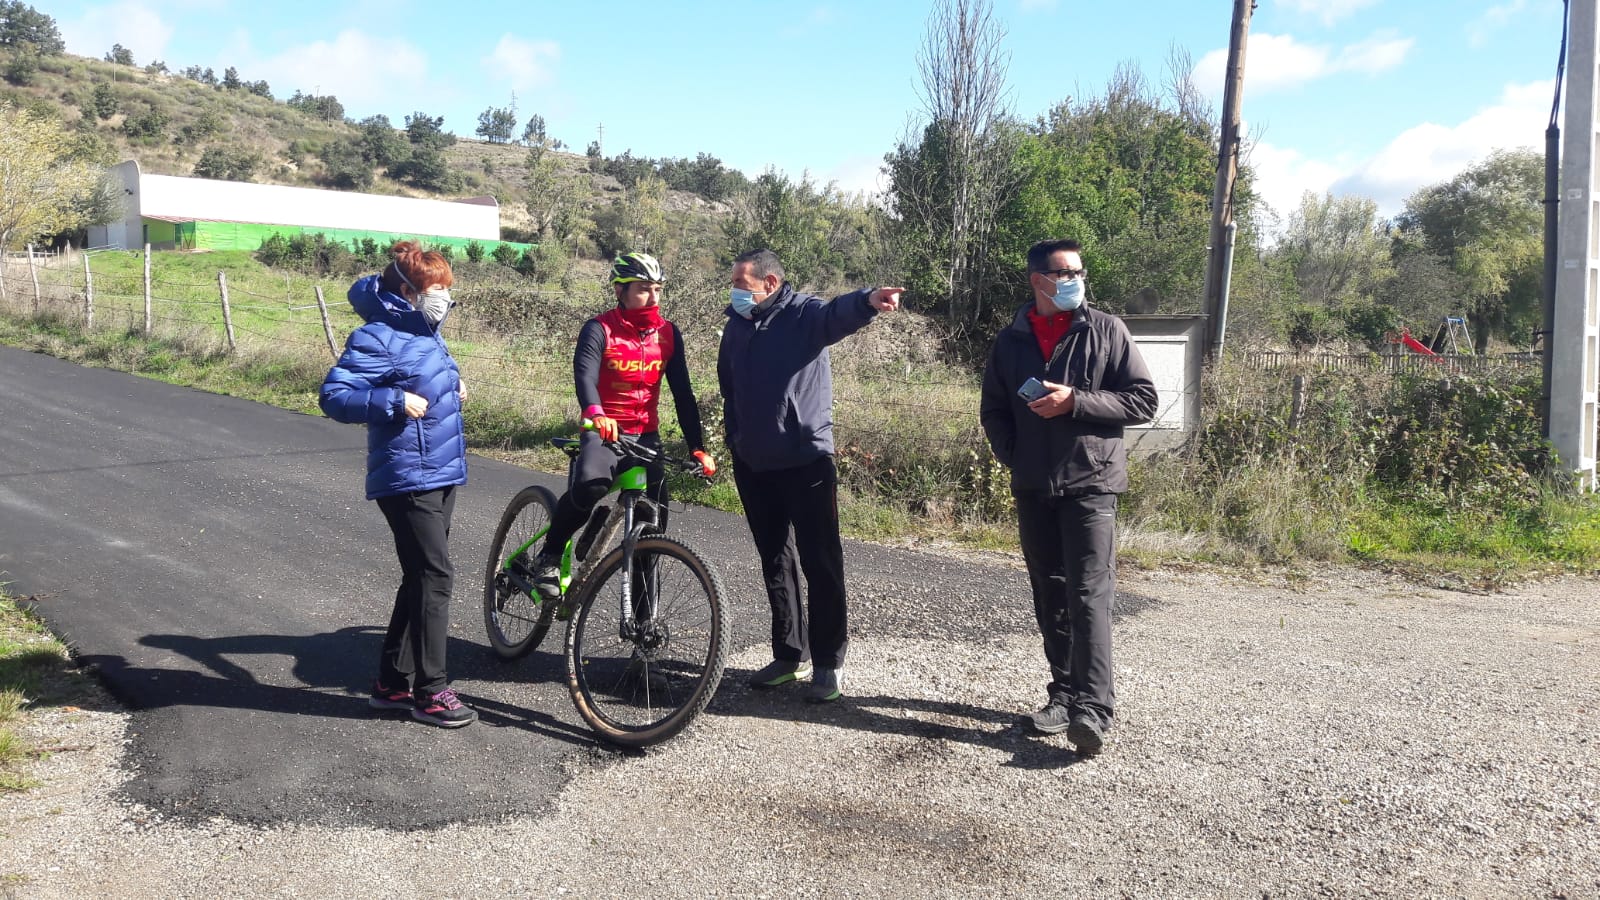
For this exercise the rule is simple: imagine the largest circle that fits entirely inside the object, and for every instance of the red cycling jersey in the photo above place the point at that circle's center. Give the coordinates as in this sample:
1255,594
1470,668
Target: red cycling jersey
631,368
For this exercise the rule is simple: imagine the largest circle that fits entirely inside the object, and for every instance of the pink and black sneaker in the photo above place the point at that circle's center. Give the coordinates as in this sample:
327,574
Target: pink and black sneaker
443,709
389,698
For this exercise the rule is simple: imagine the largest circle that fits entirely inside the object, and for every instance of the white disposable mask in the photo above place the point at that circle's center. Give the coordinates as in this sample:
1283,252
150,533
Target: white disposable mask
435,304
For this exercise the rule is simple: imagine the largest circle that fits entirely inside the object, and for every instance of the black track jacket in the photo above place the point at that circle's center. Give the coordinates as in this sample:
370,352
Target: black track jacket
1081,452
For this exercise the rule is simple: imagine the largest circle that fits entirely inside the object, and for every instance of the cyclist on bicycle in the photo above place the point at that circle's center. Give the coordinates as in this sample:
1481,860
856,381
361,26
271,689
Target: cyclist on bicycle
621,357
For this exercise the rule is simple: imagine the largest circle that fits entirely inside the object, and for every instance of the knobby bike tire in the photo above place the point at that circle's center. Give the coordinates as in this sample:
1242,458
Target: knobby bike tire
591,671
516,623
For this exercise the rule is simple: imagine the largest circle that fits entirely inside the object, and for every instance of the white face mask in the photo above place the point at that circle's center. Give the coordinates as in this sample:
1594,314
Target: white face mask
435,304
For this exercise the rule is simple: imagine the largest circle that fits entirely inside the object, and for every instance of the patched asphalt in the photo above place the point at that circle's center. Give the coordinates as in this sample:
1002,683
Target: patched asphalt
214,561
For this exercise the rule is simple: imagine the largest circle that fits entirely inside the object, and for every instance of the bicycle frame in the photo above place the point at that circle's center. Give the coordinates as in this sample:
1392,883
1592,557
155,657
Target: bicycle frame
630,486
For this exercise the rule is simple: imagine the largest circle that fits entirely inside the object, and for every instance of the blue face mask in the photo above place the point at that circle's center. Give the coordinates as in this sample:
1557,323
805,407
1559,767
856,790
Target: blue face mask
1069,294
744,302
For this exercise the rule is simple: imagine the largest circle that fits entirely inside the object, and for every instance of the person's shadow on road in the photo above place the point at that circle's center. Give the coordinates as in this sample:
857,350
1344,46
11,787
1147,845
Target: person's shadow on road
928,720
328,675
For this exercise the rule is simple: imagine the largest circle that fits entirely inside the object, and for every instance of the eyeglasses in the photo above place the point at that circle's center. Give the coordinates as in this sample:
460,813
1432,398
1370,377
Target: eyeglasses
1063,273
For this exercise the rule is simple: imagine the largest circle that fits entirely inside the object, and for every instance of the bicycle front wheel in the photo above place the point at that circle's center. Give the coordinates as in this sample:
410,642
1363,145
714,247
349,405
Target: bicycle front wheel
639,686
516,621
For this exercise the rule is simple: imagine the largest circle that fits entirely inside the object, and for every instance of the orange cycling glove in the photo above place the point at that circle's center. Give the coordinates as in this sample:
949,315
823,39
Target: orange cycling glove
605,426
708,466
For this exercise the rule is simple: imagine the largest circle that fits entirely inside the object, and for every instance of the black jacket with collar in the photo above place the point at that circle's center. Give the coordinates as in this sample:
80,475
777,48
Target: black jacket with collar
1081,452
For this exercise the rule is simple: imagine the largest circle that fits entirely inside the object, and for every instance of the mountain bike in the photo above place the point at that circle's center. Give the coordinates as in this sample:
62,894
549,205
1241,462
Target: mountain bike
646,637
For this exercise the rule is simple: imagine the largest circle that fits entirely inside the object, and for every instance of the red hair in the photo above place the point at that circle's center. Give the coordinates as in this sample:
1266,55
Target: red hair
421,269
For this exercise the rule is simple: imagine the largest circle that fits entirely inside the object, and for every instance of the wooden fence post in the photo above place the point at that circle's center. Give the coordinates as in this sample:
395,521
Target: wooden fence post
1297,404
88,294
34,274
5,269
227,314
327,329
146,290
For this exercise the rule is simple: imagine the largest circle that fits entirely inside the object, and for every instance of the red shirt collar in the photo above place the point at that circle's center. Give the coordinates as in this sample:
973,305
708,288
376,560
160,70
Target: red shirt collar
1048,330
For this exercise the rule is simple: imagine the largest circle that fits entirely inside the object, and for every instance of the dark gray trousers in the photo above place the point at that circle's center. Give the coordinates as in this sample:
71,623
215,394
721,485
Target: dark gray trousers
1069,545
419,627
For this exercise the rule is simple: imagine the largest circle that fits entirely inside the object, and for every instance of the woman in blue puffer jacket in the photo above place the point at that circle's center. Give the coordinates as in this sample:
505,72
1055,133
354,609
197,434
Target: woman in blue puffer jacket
397,378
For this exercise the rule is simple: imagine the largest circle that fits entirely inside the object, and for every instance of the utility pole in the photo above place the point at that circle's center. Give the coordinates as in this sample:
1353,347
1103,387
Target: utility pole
1220,248
1573,346
601,143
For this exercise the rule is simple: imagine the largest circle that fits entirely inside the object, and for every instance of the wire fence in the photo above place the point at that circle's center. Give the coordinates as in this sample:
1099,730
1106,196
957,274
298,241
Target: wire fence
296,319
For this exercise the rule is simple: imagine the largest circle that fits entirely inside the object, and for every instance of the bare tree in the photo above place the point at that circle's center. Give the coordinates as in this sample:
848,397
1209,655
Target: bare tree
954,177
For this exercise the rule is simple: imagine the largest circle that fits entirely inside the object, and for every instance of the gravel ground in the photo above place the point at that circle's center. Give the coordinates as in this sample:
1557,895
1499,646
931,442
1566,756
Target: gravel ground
1343,734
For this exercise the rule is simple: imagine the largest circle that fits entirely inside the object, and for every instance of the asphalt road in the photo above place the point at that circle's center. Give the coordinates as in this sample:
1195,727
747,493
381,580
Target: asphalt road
214,560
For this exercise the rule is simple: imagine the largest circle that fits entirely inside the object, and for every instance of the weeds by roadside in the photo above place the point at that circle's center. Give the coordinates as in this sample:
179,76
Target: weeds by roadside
35,671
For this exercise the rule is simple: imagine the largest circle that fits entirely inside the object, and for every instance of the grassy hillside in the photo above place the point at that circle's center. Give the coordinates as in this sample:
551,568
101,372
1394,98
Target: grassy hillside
287,140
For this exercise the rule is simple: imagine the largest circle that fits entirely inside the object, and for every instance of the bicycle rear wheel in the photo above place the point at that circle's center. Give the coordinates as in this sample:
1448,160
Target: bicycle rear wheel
516,621
640,690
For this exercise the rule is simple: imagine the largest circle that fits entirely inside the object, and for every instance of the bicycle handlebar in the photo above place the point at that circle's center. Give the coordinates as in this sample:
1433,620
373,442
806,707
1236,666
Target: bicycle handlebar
644,452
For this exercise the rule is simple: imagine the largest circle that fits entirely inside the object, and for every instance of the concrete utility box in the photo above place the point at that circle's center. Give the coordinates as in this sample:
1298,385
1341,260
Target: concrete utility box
1171,347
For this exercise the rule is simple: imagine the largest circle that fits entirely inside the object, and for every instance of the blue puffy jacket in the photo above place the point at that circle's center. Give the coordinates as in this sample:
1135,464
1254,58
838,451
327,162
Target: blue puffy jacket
395,352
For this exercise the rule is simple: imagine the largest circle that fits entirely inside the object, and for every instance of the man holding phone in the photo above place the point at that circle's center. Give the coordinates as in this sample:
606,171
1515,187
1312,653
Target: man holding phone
1062,382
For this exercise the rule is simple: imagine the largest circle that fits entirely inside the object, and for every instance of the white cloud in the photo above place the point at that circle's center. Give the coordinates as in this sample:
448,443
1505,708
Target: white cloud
1282,175
363,71
1427,153
1279,62
522,65
1430,153
858,174
1326,11
132,24
1483,29
1378,53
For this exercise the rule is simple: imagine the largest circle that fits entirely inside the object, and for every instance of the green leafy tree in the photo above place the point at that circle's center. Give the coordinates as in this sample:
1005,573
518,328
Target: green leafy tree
346,166
23,67
22,24
425,131
156,67
151,122
119,55
230,80
227,164
426,168
1488,223
44,188
205,126
534,133
326,107
103,101
506,255
1336,249
496,125
551,192
381,144
258,88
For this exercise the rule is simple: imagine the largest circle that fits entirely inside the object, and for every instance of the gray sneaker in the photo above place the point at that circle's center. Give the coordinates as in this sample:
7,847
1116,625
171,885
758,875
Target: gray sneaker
779,672
1053,718
826,686
547,576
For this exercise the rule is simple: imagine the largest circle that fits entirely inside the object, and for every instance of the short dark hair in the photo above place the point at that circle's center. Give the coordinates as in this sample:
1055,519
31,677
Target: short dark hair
762,262
1039,254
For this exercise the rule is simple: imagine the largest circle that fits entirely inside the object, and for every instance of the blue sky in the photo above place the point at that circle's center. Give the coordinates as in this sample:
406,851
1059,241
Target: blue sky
1371,97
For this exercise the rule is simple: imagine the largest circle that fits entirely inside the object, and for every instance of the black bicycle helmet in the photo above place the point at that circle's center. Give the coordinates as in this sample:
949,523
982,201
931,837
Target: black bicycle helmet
635,267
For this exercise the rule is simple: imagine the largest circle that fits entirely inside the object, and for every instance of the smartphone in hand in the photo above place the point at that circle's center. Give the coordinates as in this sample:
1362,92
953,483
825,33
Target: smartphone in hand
1032,389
